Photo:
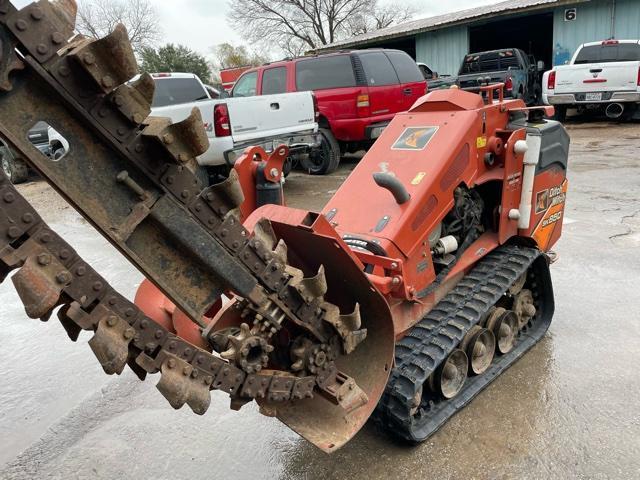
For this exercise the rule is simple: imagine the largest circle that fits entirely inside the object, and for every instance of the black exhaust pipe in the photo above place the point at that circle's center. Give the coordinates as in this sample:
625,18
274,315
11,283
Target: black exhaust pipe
614,111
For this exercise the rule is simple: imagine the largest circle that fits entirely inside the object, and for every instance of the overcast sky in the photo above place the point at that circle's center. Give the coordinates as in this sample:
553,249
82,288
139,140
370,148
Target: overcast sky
201,24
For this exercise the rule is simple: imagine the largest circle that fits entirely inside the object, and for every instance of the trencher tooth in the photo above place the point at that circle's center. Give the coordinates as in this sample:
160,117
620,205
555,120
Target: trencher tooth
109,61
281,251
314,287
180,384
66,11
263,231
228,191
352,321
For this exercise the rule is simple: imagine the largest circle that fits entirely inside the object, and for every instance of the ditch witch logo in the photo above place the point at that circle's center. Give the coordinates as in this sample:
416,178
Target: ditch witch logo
415,138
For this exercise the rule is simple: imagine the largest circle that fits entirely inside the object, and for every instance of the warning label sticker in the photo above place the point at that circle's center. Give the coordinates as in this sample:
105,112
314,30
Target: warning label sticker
414,138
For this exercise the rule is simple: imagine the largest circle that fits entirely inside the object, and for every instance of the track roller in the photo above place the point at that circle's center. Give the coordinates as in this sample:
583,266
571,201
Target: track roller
479,345
449,378
504,325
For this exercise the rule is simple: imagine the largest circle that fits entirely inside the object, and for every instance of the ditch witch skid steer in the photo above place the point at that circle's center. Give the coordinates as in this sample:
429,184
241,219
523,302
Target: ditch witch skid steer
425,277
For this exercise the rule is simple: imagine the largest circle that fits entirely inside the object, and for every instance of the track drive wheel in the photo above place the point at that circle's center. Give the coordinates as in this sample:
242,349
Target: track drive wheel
324,159
523,306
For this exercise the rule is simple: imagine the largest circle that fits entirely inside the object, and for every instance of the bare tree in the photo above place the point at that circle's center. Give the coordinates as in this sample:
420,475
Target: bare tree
97,18
382,16
298,25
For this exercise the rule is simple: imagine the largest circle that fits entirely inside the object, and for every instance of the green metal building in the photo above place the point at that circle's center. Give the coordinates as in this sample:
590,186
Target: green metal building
551,30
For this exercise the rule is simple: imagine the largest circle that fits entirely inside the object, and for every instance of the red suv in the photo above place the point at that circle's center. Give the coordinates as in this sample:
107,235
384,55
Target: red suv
358,93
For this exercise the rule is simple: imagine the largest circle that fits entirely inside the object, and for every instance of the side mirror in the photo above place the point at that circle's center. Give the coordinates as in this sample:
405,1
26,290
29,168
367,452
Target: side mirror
540,65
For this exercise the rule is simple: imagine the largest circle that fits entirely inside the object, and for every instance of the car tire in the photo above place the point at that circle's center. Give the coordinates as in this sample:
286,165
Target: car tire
14,168
537,92
287,167
326,158
561,113
629,112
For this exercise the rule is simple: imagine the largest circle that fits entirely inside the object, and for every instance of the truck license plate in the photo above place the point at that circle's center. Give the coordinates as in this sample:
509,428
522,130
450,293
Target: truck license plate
593,97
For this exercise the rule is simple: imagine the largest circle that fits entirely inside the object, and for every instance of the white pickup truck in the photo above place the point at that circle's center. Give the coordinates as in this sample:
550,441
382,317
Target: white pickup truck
233,124
601,75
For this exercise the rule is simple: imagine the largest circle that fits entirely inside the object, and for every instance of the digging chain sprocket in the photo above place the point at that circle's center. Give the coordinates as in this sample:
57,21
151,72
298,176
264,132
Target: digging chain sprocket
143,194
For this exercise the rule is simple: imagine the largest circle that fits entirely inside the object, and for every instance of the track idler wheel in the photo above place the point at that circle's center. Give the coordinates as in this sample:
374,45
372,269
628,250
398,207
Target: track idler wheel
449,378
504,325
480,346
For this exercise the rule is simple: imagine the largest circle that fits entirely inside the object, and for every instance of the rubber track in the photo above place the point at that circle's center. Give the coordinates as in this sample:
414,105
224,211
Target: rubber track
430,341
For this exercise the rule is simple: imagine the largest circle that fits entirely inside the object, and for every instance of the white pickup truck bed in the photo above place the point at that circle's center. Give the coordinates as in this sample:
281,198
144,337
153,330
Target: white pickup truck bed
267,121
600,74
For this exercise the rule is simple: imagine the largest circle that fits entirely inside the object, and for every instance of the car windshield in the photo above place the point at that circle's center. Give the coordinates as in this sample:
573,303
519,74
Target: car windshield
489,62
174,91
613,52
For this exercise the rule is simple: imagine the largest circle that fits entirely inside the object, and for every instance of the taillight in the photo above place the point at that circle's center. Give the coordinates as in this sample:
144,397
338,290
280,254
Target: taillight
316,109
221,120
363,101
551,81
639,76
363,105
610,42
508,83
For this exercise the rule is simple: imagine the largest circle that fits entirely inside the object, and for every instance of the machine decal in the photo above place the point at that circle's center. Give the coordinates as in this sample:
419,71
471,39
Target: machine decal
558,194
415,138
550,198
553,201
418,178
481,142
542,201
513,180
